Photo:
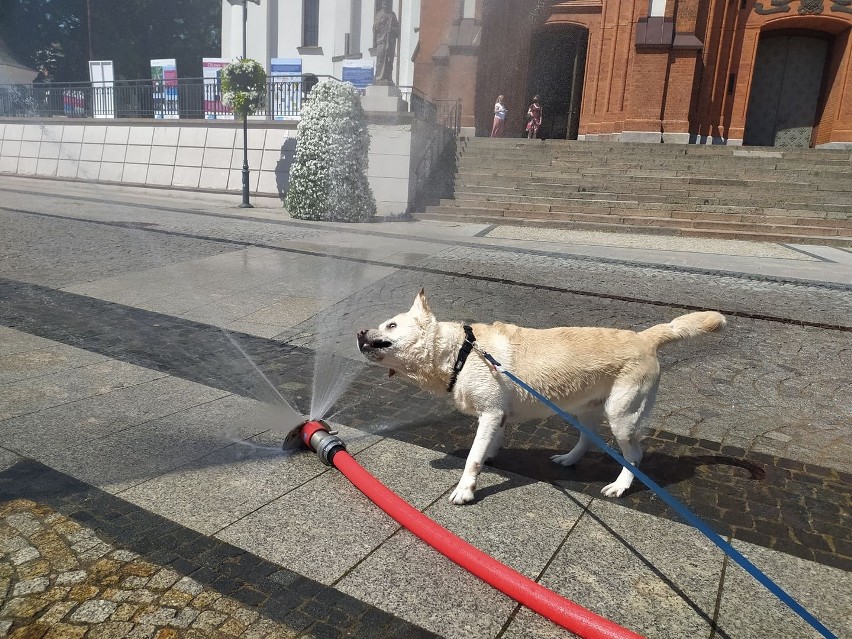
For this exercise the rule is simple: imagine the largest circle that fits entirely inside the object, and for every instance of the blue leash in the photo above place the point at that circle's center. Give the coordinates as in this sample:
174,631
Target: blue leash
678,507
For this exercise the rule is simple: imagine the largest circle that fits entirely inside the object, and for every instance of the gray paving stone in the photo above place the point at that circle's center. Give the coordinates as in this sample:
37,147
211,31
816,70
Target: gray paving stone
228,484
352,525
95,417
8,459
45,361
652,576
411,580
13,342
30,586
30,395
517,522
124,459
825,592
88,261
94,611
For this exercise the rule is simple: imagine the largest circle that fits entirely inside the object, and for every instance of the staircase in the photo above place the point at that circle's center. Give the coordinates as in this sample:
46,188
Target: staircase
748,193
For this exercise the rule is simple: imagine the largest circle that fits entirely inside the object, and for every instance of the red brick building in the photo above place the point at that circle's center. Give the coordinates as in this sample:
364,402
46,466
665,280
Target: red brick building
768,72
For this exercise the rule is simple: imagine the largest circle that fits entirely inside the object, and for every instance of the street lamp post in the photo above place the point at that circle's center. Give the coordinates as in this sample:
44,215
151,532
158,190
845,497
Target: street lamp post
245,203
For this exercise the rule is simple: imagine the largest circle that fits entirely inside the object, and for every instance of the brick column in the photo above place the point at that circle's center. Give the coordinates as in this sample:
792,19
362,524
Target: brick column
645,101
680,88
679,92
744,71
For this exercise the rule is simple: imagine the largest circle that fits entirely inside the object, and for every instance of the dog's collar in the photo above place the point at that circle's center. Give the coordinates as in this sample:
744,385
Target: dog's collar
464,351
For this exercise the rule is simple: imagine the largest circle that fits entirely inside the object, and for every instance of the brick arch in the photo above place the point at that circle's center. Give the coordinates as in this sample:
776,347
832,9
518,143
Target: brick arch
833,122
559,81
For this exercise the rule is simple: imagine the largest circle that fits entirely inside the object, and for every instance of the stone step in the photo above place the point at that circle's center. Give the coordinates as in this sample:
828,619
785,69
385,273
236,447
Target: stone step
709,191
626,217
638,198
634,184
748,215
787,182
653,192
659,152
799,172
799,235
698,150
666,154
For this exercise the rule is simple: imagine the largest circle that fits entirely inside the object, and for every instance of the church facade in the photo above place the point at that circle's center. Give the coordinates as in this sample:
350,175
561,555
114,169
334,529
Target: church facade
754,72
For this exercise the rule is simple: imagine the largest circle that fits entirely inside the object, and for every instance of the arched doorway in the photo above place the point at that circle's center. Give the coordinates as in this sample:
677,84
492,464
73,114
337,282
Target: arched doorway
786,88
556,71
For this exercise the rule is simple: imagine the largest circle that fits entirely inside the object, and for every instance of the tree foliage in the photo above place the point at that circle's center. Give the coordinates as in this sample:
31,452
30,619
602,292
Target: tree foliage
49,33
128,32
328,179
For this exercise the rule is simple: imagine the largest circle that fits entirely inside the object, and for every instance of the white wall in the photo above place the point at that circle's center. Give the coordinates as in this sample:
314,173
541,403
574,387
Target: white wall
205,155
275,31
202,155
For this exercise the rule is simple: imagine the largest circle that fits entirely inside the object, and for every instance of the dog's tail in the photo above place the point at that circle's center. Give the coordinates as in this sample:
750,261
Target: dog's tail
684,327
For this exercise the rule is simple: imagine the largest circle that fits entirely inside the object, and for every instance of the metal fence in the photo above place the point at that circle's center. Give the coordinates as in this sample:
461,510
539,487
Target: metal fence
185,98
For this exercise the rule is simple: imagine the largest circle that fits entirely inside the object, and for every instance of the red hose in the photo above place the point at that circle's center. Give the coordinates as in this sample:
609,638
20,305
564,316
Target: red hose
522,589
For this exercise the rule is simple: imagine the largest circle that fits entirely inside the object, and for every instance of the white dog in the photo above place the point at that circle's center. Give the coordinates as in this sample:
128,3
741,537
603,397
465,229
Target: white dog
588,372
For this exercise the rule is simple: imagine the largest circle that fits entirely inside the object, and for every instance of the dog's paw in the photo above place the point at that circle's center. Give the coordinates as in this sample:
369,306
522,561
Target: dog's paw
613,490
564,460
461,495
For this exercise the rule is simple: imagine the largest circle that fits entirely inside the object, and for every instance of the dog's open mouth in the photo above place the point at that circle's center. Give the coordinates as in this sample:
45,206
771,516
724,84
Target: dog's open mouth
372,347
369,344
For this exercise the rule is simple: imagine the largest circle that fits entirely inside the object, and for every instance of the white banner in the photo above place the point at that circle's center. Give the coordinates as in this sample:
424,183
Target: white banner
164,77
101,76
211,71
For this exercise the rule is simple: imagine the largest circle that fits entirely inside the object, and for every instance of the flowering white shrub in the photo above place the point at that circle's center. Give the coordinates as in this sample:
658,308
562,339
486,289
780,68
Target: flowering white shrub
327,178
244,86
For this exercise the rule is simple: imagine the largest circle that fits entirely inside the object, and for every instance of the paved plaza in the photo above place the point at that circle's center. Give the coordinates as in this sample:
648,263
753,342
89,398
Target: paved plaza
148,338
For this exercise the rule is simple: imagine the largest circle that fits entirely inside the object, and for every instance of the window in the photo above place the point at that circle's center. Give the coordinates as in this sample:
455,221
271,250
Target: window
354,28
310,23
657,9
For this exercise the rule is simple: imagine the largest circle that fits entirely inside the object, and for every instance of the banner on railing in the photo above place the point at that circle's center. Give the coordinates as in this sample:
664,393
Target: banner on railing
358,73
285,88
101,76
211,71
164,75
73,103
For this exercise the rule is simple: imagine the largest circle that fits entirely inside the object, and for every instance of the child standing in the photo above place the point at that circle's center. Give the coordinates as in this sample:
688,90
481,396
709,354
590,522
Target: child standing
534,118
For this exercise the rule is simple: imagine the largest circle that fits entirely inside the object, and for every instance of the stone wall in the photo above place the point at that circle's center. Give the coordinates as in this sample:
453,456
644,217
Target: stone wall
205,155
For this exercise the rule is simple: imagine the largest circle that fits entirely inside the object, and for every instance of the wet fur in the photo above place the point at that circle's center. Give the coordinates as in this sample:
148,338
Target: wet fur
589,372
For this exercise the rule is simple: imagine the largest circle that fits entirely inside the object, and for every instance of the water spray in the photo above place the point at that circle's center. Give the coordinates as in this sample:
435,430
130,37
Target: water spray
319,437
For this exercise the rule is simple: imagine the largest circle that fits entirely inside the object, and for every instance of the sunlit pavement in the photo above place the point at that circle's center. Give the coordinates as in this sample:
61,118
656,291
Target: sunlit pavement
129,414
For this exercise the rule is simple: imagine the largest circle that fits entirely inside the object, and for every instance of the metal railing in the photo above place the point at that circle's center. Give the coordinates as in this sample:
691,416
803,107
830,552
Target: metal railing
449,114
184,98
436,167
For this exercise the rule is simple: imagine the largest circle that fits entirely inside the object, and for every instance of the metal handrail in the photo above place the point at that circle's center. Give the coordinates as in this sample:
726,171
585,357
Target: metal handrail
449,126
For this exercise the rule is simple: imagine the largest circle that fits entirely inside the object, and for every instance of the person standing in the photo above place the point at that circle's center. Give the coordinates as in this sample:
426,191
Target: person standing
500,113
534,114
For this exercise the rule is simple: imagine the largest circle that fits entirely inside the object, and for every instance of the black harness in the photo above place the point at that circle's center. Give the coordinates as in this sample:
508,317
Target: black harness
464,351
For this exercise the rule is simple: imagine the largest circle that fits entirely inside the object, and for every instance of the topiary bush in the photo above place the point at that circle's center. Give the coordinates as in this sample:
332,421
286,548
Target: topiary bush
328,179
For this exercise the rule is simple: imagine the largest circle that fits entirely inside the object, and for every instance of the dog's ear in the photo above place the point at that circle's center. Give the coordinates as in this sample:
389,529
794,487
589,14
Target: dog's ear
421,306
